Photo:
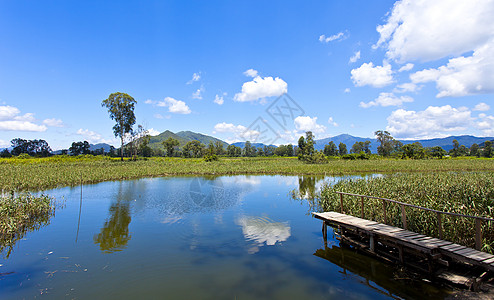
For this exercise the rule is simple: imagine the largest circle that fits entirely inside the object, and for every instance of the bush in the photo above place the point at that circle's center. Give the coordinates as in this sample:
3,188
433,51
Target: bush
210,158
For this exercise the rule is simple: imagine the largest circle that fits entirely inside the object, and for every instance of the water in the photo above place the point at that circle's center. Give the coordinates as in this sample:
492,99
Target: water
239,237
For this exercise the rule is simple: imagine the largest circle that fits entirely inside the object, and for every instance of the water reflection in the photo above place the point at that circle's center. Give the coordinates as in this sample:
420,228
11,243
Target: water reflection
262,230
114,234
385,279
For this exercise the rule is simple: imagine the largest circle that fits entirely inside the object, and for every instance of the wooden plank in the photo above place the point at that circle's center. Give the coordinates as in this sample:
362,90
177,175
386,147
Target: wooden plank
480,256
488,261
452,247
465,252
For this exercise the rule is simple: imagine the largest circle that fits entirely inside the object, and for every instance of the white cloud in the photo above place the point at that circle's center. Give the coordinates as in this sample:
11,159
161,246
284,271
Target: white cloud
158,116
430,30
260,88
251,73
332,122
482,107
367,74
486,125
347,90
435,121
355,57
175,106
4,144
240,132
149,101
406,87
92,137
406,67
198,93
387,99
10,120
334,37
463,76
153,132
195,77
218,100
308,124
53,123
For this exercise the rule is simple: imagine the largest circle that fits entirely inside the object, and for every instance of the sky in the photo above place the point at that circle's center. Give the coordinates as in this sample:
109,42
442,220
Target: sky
264,71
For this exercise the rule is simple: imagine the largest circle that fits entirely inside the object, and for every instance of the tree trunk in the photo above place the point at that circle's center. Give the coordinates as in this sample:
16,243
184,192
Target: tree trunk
121,148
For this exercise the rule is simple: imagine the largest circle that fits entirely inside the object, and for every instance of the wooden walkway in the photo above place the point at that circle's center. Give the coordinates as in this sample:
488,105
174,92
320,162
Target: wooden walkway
370,235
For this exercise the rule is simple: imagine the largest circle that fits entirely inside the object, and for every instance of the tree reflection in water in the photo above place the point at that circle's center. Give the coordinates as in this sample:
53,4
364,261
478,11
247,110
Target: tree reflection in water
114,235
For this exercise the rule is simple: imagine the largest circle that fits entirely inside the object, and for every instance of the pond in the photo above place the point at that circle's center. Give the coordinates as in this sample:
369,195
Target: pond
238,237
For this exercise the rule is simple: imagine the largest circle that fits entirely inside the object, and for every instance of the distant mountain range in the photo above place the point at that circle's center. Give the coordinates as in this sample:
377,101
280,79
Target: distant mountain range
183,137
446,143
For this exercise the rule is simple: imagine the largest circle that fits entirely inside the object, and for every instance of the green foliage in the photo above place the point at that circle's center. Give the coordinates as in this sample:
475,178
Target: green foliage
210,157
121,109
79,148
361,147
354,156
306,151
330,149
468,193
342,149
30,147
170,144
193,149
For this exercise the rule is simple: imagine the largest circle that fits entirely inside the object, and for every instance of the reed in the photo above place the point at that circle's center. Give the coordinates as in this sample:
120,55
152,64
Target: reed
467,193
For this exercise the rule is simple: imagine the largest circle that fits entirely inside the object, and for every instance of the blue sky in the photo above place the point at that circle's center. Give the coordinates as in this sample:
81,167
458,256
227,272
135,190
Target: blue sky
419,69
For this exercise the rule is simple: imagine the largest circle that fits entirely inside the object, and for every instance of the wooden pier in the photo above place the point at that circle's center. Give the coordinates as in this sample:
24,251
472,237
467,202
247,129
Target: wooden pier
432,255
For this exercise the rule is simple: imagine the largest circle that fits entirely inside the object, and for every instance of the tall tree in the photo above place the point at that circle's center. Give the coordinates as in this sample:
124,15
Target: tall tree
121,108
170,144
474,150
330,149
386,142
487,149
342,149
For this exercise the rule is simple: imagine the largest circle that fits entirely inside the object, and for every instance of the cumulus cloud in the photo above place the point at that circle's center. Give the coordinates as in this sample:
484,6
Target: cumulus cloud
422,31
433,122
464,75
91,136
430,30
174,106
406,67
153,132
482,107
406,87
260,88
376,76
241,132
387,99
11,120
307,123
334,37
332,122
251,73
53,122
486,125
219,99
355,57
195,77
347,90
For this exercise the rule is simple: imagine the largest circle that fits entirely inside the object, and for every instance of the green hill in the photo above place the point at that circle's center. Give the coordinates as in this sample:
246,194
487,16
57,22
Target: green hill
155,142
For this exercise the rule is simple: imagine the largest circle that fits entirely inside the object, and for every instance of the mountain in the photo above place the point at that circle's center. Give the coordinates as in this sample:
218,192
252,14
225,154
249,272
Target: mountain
105,146
155,142
346,139
446,143
257,145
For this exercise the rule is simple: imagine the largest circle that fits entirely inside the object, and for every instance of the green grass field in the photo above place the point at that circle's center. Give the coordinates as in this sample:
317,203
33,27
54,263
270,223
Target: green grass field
42,173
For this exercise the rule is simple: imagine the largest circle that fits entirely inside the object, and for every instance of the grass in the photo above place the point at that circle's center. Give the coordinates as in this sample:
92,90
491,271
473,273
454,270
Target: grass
20,214
468,193
42,173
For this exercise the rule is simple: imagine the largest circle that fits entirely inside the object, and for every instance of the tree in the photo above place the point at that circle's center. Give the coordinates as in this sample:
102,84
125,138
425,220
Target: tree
330,149
386,142
30,147
5,153
414,151
487,149
139,140
170,144
121,109
219,148
437,151
454,152
474,150
248,149
361,147
193,149
342,149
78,148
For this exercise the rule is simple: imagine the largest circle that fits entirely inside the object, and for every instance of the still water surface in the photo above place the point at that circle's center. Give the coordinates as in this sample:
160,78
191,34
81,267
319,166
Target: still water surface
239,237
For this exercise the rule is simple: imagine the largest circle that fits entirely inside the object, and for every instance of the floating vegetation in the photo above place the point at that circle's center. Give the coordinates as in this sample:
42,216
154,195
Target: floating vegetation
20,214
467,193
